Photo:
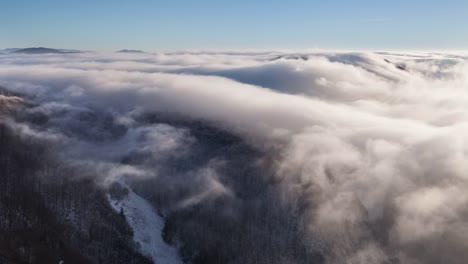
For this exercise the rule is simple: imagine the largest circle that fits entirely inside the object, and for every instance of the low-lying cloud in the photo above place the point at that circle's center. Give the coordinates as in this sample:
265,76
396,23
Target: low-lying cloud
370,149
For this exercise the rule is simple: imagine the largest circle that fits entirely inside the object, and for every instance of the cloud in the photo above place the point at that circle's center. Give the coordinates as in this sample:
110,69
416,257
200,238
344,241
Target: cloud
369,148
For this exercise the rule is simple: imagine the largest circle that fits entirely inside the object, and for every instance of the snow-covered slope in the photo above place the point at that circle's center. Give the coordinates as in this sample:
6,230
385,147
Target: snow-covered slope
8,103
147,227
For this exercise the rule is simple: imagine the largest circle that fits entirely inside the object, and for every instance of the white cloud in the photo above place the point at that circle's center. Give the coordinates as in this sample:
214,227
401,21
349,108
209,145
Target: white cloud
383,145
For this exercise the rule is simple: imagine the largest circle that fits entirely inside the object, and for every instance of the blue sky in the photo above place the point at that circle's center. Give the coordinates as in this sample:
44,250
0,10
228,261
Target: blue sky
208,24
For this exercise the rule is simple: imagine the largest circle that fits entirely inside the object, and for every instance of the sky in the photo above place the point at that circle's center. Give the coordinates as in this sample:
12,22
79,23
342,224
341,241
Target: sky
209,24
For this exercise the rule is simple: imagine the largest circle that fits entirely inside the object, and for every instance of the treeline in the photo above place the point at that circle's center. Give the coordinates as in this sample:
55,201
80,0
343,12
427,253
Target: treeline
48,214
250,225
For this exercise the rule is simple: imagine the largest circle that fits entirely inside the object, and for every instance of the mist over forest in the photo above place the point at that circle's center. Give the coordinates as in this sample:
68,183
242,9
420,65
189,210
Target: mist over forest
234,157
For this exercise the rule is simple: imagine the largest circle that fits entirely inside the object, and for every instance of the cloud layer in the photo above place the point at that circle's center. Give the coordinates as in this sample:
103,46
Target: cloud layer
369,149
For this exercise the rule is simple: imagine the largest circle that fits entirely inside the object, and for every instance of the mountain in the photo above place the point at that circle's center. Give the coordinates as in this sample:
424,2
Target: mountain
398,66
70,50
291,57
130,51
9,101
47,221
9,50
39,50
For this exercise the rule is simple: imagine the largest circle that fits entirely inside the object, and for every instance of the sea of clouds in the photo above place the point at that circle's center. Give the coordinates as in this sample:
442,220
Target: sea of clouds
370,148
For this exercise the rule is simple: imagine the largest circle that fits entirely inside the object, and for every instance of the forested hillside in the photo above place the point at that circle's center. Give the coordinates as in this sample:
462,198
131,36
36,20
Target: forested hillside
48,214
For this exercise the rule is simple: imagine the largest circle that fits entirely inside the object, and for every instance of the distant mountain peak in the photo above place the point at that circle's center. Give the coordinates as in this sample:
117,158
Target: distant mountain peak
291,57
39,50
130,51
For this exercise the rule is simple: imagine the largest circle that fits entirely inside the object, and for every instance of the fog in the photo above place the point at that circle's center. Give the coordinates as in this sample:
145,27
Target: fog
365,152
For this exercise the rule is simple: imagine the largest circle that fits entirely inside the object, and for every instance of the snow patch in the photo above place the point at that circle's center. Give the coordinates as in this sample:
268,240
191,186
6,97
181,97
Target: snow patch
147,227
